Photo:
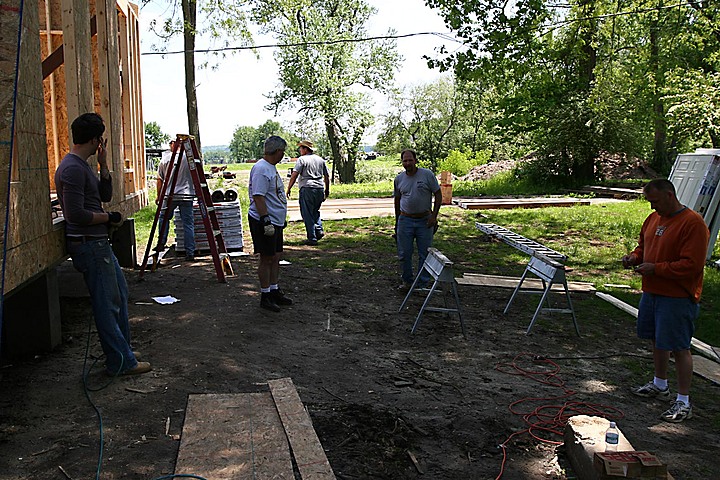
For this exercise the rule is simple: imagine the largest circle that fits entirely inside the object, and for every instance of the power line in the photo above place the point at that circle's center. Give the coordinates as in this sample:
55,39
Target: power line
444,36
563,23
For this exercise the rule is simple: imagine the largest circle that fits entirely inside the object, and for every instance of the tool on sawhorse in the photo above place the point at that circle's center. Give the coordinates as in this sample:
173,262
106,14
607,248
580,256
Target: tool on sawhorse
440,268
545,263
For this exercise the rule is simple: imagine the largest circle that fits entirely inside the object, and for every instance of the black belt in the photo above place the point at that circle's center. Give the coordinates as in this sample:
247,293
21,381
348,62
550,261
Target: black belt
83,239
415,215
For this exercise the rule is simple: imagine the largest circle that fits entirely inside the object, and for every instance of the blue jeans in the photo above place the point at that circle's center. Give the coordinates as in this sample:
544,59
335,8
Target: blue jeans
310,201
409,230
109,296
188,224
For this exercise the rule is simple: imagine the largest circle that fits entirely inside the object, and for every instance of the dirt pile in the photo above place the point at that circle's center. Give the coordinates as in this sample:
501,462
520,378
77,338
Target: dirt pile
489,170
618,166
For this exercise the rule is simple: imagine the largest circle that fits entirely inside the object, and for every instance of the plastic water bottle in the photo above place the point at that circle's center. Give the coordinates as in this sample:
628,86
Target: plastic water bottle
612,437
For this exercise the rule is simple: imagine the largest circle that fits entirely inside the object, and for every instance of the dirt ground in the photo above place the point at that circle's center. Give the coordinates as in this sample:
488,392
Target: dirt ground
376,393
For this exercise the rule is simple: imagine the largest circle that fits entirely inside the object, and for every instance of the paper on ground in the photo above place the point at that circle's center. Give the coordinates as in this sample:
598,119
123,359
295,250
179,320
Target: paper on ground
166,300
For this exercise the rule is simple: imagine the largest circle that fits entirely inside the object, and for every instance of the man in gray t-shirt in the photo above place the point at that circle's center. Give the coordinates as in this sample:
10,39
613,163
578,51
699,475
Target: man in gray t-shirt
313,174
182,197
415,214
266,217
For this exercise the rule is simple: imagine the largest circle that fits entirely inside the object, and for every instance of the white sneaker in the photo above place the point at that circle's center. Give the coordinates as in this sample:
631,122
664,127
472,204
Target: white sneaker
677,412
650,390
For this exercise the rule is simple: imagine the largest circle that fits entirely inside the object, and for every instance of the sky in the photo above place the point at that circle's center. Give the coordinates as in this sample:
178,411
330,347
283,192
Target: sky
233,95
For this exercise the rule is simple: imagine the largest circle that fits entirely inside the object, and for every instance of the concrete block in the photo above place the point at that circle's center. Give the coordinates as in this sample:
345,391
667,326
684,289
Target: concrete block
585,435
31,317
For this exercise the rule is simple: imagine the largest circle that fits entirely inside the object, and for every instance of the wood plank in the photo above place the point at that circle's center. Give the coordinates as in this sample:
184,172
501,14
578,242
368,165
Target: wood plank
114,121
708,369
498,203
78,57
618,303
618,191
713,353
234,436
307,450
512,282
124,46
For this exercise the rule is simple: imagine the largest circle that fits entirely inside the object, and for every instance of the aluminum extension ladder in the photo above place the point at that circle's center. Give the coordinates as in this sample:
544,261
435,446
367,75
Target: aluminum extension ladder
440,268
545,263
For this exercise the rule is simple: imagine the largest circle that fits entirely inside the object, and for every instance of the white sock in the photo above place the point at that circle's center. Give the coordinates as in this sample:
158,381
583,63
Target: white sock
683,398
274,286
265,289
661,383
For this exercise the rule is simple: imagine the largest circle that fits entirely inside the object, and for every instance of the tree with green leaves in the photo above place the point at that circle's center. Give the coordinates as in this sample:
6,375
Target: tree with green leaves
221,20
244,145
155,137
583,77
424,118
324,68
247,142
439,117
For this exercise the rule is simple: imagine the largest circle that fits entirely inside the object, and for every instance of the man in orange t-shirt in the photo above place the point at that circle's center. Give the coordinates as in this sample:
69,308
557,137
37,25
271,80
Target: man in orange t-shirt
670,256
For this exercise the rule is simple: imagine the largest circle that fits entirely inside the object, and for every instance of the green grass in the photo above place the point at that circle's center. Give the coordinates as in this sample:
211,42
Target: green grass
593,237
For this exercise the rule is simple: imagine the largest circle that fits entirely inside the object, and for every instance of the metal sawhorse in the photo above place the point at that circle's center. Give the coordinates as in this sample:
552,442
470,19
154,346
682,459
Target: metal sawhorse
545,263
440,268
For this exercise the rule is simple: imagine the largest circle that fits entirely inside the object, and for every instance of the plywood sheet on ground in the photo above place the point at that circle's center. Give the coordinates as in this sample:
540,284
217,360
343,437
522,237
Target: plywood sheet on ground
615,191
338,209
535,202
234,436
307,450
512,282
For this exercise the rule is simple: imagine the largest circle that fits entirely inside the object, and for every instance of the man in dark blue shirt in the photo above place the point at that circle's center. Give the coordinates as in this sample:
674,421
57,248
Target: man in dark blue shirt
81,194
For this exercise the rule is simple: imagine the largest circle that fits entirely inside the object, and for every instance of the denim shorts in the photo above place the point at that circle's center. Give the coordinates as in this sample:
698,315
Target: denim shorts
669,321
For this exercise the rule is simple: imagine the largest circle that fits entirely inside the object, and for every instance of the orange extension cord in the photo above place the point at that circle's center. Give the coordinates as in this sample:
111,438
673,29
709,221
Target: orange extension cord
549,419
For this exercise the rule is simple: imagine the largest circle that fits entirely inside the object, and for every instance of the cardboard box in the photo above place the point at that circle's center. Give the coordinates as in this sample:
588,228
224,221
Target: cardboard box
614,465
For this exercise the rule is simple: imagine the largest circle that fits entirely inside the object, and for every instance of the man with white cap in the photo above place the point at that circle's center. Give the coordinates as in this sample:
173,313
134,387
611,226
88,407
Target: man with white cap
266,217
313,173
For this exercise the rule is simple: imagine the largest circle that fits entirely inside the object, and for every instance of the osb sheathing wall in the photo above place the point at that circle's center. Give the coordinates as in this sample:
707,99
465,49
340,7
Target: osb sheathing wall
96,73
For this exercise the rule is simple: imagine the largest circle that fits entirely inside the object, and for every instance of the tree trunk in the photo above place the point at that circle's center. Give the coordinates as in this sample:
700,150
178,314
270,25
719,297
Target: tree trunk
349,167
334,148
660,158
715,138
583,167
189,8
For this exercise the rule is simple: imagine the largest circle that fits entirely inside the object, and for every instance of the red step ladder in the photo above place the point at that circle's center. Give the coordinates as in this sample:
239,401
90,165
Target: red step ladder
185,148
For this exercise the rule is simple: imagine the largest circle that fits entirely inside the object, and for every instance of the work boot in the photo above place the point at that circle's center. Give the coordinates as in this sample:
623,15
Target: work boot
139,369
267,302
279,297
